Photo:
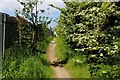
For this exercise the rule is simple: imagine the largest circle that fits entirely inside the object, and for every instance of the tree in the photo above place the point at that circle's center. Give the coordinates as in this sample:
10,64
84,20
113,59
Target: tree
31,12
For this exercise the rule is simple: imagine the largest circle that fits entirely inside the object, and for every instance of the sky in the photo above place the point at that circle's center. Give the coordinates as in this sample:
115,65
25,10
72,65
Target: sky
9,6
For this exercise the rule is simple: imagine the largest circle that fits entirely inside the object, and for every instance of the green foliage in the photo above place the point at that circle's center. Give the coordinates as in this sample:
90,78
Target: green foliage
62,50
21,64
87,28
105,72
34,67
25,34
37,24
43,45
76,64
77,67
18,61
118,42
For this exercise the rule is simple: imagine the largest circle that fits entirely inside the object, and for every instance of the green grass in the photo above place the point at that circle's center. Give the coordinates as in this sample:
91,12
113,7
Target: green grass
35,67
60,49
76,70
22,64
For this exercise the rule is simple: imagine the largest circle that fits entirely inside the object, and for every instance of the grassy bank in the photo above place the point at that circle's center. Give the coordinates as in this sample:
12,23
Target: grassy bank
76,64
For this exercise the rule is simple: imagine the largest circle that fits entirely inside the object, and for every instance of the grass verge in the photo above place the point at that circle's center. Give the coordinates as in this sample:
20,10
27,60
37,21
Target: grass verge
60,49
76,64
77,67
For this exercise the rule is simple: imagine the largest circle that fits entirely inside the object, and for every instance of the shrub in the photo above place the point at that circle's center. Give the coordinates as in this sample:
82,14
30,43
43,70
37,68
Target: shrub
87,28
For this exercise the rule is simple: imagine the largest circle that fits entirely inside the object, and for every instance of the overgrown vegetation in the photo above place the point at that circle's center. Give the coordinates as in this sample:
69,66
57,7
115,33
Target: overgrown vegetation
26,59
43,45
86,42
61,49
88,30
38,23
19,63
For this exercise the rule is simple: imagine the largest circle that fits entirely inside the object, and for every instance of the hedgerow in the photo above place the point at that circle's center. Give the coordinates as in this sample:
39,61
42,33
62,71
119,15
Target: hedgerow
88,28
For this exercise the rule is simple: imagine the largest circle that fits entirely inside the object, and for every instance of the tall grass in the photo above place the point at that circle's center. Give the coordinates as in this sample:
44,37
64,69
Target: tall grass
77,67
62,50
20,63
22,66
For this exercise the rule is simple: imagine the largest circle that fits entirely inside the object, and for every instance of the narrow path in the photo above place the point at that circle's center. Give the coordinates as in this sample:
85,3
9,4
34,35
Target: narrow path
60,72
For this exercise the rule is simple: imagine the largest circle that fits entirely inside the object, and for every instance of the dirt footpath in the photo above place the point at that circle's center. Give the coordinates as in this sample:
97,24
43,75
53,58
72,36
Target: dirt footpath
60,72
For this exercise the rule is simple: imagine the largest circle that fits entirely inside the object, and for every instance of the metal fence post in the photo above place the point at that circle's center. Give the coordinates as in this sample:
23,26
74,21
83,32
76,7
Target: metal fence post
4,25
1,45
1,34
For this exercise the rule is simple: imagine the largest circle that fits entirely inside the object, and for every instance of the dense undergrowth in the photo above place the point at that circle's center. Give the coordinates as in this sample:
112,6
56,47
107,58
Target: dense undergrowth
25,58
20,63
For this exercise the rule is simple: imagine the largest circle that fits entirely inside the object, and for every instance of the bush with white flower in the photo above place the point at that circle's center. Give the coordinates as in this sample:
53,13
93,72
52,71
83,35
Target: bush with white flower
87,28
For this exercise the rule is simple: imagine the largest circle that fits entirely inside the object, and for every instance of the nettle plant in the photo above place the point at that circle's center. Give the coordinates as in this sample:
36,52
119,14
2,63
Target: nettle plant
87,28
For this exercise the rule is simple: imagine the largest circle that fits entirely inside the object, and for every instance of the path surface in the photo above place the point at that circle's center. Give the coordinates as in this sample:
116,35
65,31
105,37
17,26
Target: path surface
60,72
